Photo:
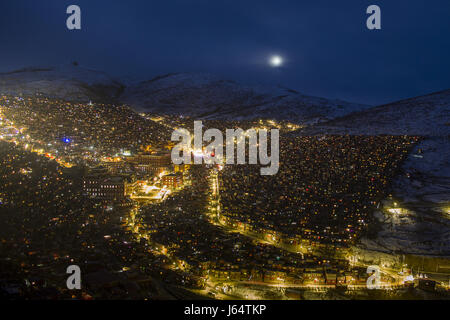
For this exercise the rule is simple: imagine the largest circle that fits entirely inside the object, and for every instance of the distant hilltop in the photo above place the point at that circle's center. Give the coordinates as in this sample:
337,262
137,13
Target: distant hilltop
198,95
427,115
205,96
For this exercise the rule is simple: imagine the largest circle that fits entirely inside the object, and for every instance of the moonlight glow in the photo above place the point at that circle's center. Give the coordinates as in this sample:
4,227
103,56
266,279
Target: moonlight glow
276,61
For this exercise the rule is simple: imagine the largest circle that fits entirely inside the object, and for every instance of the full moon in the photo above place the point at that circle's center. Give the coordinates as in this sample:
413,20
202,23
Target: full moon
276,61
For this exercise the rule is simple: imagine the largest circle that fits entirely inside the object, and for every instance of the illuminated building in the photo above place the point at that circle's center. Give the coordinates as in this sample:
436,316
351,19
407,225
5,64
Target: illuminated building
151,163
114,165
172,180
181,167
104,188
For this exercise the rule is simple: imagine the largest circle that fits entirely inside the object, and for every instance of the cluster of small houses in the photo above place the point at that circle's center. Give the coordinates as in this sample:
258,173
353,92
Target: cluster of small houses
306,275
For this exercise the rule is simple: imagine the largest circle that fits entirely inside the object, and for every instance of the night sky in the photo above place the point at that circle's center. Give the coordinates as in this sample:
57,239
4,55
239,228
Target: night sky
327,48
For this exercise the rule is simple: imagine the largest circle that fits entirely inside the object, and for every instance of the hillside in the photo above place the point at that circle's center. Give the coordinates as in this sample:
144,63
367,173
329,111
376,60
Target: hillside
423,184
199,95
209,97
425,115
69,82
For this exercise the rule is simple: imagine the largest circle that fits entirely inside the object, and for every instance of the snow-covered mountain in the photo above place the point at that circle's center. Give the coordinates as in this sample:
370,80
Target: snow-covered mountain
210,97
199,95
68,82
425,115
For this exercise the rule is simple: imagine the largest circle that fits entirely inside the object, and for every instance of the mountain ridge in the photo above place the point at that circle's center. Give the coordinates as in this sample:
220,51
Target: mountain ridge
67,82
199,95
205,95
428,114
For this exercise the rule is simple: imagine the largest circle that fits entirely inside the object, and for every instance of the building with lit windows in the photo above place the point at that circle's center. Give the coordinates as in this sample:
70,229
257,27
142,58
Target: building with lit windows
172,180
151,162
104,188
